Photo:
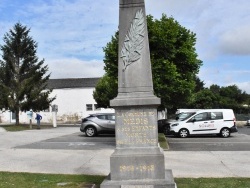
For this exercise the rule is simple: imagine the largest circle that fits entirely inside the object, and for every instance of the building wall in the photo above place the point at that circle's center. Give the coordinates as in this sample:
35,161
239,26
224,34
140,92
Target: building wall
72,103
71,107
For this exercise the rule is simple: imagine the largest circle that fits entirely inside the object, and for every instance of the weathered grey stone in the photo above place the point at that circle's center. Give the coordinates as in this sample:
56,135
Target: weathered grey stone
168,182
136,127
135,86
138,161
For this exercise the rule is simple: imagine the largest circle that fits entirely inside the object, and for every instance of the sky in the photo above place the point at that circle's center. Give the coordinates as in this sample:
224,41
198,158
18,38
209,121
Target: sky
71,34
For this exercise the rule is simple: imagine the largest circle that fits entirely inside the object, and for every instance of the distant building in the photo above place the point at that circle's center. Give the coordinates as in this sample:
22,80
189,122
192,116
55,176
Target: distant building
74,98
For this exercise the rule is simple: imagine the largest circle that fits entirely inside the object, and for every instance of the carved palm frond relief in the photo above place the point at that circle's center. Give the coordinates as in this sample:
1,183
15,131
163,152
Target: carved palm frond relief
133,43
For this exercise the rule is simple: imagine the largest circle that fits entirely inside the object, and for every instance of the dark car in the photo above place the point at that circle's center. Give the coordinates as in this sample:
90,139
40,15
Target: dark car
98,123
164,124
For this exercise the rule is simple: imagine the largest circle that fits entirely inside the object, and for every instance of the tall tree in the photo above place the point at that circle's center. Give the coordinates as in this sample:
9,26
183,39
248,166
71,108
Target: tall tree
106,88
23,77
205,99
199,85
220,97
174,61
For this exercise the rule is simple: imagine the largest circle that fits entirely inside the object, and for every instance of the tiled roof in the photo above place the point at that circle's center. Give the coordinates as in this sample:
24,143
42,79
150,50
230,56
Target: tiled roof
72,83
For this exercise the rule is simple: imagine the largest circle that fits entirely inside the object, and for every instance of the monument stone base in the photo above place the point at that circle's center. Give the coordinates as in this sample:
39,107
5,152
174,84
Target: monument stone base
168,182
137,163
138,168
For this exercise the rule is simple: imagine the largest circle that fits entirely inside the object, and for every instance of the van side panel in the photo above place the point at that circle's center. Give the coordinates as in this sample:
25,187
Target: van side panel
209,121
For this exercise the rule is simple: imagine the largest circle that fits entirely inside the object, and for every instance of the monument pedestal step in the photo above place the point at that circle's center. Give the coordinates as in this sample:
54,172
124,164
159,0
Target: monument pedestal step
137,164
168,182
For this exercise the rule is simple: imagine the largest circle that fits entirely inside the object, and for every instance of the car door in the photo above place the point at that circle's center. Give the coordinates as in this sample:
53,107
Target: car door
111,121
106,121
200,124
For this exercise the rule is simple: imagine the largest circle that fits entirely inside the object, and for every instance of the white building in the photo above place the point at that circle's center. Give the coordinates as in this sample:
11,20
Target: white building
74,98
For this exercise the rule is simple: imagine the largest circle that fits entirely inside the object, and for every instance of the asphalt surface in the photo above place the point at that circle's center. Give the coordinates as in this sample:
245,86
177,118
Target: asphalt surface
75,141
65,150
236,142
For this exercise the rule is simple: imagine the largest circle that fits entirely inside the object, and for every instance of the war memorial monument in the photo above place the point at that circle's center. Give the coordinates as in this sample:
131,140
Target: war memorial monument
138,161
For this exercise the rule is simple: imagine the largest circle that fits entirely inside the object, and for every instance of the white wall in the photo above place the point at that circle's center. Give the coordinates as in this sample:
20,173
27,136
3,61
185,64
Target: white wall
72,102
71,106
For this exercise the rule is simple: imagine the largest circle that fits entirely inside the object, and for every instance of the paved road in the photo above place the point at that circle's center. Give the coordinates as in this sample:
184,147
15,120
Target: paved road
17,155
236,142
244,130
76,141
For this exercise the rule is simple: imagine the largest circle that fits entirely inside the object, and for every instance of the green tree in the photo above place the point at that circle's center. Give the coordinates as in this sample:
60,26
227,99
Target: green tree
220,97
215,89
205,99
173,57
106,88
23,77
199,85
234,93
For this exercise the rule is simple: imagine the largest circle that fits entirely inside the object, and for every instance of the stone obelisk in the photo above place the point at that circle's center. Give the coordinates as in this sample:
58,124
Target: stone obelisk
138,161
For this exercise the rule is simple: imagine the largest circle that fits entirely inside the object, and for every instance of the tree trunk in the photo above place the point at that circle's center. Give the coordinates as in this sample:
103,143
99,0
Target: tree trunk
17,115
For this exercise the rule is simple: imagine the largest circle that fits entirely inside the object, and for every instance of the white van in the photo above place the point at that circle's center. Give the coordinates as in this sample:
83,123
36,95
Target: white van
178,111
210,121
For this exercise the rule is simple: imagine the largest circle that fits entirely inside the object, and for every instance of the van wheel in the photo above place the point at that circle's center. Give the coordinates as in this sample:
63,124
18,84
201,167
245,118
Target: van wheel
90,131
183,133
225,132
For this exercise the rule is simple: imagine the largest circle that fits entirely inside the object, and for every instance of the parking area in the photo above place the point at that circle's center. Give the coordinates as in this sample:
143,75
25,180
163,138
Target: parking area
67,150
78,141
236,142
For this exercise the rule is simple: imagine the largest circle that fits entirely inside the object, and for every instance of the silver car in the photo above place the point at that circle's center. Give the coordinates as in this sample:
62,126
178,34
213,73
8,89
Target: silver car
98,123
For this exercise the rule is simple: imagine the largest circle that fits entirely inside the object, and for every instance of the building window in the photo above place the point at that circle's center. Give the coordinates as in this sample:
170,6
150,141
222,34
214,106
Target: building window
89,107
46,110
96,107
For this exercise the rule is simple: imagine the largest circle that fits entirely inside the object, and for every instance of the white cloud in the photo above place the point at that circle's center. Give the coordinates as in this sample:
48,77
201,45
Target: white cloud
211,20
71,28
75,68
225,75
71,34
244,86
236,41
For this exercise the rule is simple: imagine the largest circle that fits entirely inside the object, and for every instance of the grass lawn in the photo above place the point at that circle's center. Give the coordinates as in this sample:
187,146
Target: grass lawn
24,180
213,182
163,141
21,127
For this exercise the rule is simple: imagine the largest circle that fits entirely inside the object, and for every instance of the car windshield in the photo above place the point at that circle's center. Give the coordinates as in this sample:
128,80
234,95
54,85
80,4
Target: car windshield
184,115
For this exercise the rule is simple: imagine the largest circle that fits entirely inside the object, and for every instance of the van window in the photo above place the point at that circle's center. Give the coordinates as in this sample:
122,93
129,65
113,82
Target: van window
216,115
184,115
200,117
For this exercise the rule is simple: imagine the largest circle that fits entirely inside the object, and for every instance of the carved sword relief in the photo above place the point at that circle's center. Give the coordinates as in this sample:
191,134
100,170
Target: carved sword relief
133,43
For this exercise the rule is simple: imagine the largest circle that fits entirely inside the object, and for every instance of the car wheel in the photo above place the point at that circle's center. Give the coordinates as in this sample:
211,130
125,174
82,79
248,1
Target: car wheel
90,131
183,133
225,132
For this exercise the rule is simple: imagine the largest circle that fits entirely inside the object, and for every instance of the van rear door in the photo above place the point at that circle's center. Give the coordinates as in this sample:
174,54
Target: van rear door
217,120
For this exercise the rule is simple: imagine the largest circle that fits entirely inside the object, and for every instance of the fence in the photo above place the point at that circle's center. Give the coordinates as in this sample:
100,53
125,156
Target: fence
242,117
